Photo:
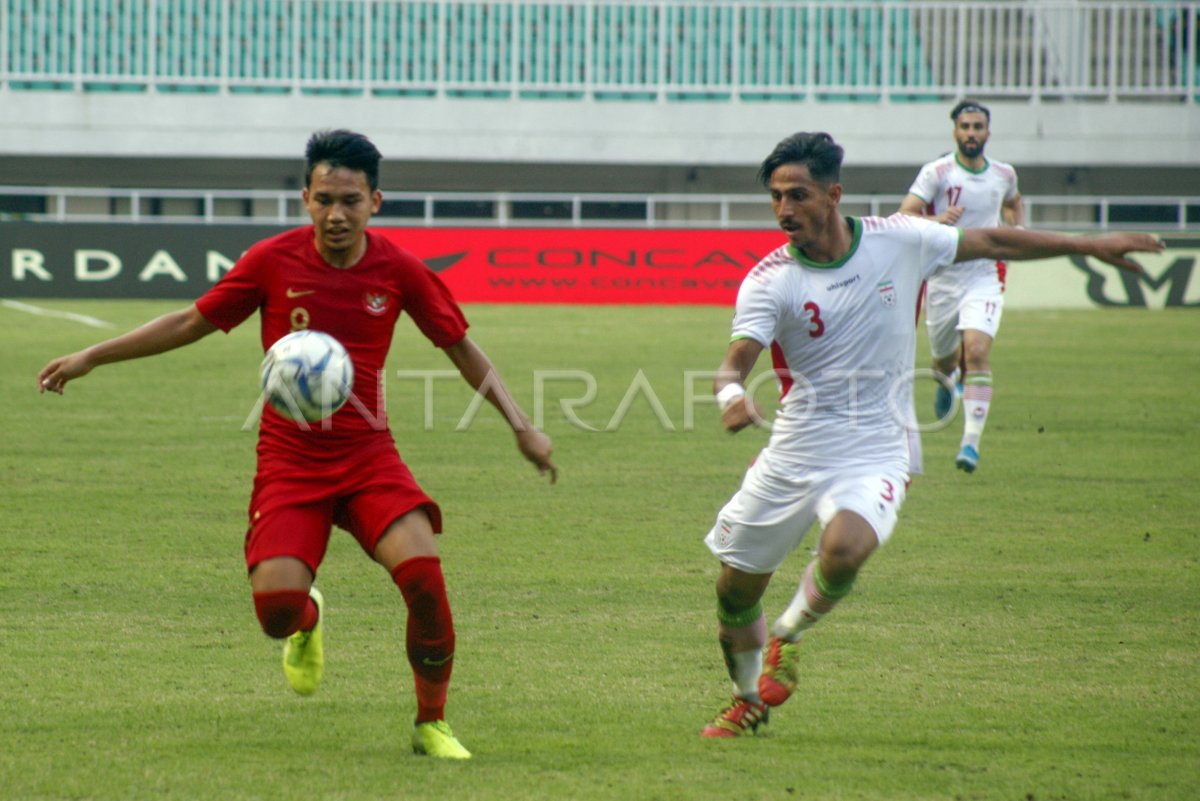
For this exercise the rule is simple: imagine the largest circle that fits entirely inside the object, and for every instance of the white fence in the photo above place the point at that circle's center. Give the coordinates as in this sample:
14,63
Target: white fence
702,50
511,210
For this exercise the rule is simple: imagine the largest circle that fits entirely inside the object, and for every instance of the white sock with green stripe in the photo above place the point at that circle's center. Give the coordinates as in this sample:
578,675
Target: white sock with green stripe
742,636
815,598
977,398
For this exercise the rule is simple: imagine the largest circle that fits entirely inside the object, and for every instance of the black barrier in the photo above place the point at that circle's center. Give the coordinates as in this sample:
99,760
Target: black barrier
119,260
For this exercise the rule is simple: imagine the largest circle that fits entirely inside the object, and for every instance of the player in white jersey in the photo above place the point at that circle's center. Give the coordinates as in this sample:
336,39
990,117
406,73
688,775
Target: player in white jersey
964,305
835,306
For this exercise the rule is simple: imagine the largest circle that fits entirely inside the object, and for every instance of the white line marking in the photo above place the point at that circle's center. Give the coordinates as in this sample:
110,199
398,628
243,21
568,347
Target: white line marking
79,318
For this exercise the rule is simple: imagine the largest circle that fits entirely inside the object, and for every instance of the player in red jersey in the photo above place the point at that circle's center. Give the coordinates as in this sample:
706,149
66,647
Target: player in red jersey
337,277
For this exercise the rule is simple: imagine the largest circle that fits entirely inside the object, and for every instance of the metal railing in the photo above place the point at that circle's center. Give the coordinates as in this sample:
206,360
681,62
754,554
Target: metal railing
580,210
702,50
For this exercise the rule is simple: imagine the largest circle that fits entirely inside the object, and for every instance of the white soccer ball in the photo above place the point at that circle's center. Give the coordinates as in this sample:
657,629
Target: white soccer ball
307,376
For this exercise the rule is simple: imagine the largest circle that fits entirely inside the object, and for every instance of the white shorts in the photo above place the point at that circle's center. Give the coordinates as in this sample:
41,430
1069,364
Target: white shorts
768,517
978,308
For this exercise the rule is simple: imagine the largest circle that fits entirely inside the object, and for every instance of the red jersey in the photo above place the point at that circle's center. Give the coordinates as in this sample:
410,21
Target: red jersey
294,288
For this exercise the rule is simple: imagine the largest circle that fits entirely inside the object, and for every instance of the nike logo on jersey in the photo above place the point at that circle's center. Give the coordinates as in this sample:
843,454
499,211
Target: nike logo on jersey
436,662
299,293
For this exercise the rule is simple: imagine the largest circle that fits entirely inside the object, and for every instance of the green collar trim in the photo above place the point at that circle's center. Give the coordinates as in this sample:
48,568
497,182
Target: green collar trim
972,170
856,230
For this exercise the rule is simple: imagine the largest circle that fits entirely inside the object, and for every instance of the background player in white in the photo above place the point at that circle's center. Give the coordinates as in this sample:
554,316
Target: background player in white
834,305
965,189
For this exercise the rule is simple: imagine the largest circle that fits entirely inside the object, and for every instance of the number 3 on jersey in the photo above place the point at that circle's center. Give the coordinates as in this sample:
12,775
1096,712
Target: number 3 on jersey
816,326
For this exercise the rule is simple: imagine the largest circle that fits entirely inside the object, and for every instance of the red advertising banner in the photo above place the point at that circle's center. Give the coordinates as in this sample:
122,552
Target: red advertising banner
522,265
589,265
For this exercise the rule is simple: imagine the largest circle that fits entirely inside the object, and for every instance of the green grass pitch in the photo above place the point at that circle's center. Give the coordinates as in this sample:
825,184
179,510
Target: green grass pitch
1031,632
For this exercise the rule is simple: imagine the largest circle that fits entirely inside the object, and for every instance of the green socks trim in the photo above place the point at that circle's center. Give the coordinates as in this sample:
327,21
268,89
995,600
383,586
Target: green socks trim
978,380
739,619
831,591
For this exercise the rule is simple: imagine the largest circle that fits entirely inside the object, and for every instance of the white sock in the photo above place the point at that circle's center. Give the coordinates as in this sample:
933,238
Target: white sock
747,667
808,605
977,398
742,647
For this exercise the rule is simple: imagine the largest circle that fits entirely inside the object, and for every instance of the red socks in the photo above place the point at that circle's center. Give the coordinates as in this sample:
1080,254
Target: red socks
430,632
284,612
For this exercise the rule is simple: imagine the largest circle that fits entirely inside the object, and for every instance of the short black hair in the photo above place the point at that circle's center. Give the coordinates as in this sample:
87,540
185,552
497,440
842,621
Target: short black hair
342,148
817,151
970,106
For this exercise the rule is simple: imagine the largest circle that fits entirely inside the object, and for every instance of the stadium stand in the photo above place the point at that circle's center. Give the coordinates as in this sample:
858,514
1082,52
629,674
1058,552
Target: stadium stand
637,49
655,96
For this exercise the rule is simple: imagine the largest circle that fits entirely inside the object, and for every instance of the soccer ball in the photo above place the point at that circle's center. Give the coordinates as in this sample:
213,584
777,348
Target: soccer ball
307,376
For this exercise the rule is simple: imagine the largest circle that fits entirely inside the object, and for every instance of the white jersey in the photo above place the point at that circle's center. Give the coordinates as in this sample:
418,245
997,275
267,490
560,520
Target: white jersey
843,336
981,194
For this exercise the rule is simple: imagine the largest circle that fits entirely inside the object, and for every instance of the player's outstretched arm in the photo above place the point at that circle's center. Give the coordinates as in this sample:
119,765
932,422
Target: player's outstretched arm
164,333
1015,244
478,371
738,410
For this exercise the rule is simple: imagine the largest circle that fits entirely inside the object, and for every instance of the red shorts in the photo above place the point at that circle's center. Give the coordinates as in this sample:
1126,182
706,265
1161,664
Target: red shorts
296,502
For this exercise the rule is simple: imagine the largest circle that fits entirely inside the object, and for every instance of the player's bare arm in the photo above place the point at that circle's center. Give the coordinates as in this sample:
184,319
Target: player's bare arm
1013,211
738,409
168,332
1015,244
478,371
914,206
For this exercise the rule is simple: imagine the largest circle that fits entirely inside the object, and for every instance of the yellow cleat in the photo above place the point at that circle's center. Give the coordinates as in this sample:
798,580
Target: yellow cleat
304,655
436,740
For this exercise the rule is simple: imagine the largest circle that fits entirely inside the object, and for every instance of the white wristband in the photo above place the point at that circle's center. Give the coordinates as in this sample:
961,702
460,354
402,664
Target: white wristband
729,395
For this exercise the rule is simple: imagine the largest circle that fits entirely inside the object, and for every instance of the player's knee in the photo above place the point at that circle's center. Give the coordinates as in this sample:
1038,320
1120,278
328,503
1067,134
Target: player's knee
977,362
280,613
976,355
842,557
